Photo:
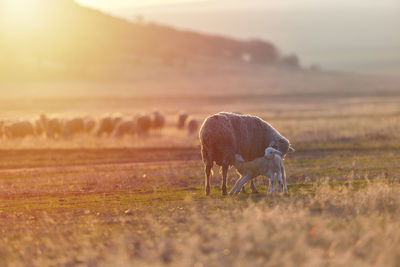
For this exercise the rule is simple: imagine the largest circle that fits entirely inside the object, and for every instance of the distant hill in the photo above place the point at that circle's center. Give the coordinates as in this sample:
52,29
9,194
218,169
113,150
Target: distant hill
66,38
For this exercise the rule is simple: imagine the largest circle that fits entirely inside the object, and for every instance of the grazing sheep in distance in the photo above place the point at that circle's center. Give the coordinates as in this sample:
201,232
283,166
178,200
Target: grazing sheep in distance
90,124
158,121
193,126
181,120
1,129
125,127
105,126
73,127
19,129
223,135
53,128
39,127
143,123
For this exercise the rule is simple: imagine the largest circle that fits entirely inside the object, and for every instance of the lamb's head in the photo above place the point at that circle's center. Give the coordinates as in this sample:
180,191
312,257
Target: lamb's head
270,153
239,158
238,161
282,145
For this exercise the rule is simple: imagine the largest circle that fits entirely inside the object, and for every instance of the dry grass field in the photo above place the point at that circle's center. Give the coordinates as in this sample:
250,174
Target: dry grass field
139,201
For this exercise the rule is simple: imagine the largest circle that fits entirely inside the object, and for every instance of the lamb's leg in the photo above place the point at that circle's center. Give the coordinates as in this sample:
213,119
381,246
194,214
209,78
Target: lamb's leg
239,184
253,187
279,178
271,182
207,177
224,173
243,190
284,179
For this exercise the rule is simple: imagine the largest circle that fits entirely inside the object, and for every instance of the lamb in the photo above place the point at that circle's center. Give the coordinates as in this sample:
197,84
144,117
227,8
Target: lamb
269,165
248,171
276,167
223,135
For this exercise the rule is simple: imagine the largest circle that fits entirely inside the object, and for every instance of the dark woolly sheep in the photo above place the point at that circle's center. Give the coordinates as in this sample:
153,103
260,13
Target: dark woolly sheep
193,126
182,117
125,127
158,121
143,123
225,134
19,129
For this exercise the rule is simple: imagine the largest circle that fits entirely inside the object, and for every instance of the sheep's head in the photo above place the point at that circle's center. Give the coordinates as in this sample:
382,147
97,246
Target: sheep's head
282,145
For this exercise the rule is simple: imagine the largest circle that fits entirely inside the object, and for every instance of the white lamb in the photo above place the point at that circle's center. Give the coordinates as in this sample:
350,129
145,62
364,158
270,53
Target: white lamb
276,166
269,165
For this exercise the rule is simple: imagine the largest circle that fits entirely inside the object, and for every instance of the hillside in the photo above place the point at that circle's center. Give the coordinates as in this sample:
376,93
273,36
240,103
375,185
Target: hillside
65,39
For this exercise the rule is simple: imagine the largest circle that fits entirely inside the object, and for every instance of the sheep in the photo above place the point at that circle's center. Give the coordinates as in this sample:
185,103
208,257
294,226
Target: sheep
73,127
43,120
143,123
276,167
193,126
158,121
181,120
105,126
53,128
90,124
19,129
125,127
1,128
224,134
39,128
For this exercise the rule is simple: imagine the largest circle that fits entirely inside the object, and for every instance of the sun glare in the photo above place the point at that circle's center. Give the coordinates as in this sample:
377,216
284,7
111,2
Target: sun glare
21,15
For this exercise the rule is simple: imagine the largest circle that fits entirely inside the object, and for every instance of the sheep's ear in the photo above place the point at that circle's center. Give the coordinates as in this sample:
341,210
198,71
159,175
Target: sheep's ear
291,150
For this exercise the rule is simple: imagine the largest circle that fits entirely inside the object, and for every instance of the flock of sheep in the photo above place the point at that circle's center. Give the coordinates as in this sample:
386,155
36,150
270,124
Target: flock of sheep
116,126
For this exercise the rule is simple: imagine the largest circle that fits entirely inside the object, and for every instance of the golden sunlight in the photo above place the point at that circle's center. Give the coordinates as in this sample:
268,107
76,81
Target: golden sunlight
22,15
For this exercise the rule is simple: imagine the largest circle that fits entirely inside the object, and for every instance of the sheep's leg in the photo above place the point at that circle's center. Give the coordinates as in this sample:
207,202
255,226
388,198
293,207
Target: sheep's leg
207,178
253,187
224,173
239,184
243,190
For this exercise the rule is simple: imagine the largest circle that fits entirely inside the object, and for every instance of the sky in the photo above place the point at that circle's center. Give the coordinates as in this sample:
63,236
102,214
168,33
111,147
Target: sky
349,35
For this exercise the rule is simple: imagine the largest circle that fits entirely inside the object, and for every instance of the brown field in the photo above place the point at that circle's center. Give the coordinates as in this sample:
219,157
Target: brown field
91,201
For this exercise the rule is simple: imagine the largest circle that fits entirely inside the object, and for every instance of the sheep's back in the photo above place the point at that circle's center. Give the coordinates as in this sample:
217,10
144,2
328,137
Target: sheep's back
217,139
